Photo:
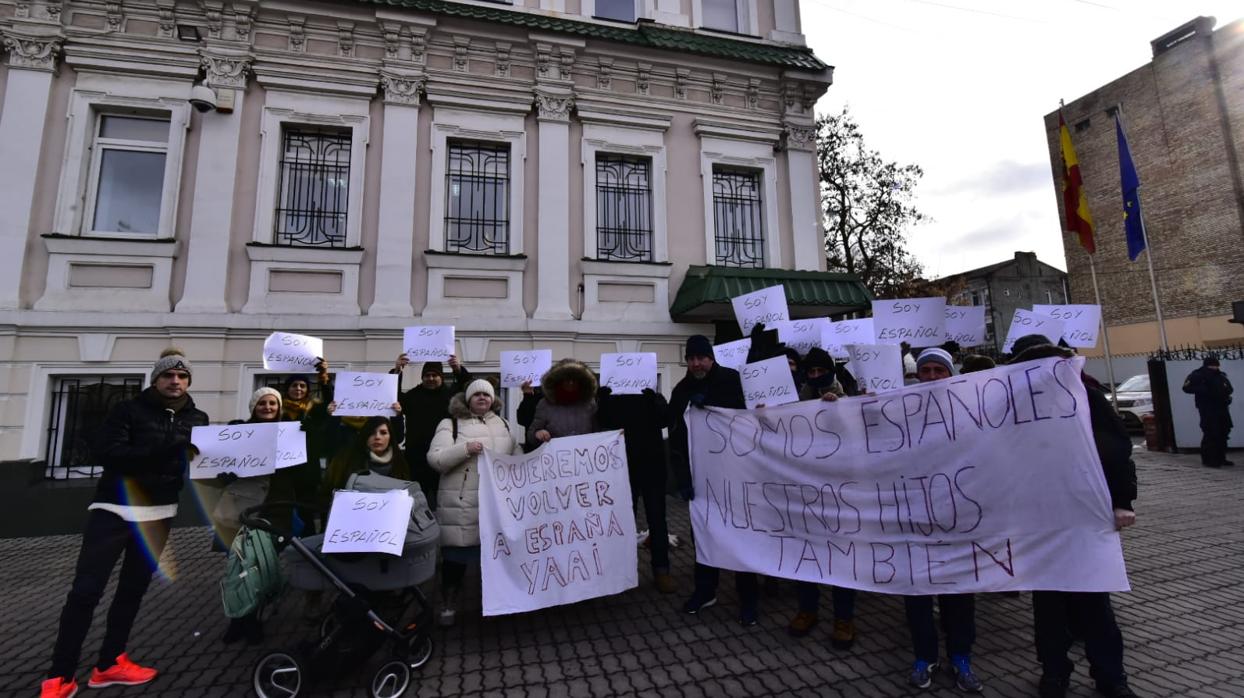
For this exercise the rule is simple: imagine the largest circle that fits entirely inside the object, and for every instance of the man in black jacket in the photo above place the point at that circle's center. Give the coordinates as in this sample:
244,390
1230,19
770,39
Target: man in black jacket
1052,611
144,447
424,406
1213,400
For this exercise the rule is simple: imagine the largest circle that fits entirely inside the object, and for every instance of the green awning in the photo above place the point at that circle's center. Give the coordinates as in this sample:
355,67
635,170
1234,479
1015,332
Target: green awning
706,292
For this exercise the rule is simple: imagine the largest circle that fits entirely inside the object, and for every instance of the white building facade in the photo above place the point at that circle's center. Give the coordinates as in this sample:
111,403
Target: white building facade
538,173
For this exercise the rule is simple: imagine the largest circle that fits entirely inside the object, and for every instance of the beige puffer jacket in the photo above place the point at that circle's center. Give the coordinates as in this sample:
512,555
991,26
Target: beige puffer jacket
458,495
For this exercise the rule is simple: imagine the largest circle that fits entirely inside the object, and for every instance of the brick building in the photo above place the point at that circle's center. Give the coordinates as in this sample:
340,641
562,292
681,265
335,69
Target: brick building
1016,283
1184,117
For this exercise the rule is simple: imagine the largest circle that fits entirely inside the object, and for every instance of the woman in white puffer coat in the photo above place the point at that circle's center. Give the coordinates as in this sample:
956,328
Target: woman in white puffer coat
479,425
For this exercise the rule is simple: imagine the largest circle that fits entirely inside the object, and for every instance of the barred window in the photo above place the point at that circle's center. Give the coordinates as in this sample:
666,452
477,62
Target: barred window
623,208
314,193
738,216
477,198
79,406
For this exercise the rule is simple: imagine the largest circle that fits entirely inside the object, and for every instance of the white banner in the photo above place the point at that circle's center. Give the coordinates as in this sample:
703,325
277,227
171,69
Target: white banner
802,335
877,367
733,354
965,324
428,343
628,374
921,322
295,353
1026,322
246,450
556,525
984,482
836,336
291,445
1081,323
518,367
365,394
768,305
368,522
768,383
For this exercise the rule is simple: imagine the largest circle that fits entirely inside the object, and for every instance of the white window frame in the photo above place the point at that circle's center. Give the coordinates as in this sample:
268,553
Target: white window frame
99,145
746,10
750,155
643,9
95,95
617,140
297,109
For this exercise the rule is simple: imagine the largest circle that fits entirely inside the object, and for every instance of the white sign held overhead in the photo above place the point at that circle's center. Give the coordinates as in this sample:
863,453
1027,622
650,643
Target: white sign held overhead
767,306
837,335
628,374
1081,323
965,324
428,343
365,394
291,445
245,450
921,322
368,522
1026,322
877,367
733,354
518,367
768,383
802,335
294,353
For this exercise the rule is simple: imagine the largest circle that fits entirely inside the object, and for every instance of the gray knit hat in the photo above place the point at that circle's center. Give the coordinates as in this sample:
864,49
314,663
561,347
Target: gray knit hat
171,358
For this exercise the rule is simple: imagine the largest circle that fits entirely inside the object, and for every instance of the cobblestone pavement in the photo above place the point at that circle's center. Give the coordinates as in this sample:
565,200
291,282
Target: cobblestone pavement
1183,623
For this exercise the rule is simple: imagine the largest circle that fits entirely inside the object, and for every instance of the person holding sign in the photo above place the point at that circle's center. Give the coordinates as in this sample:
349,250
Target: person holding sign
474,424
297,405
425,405
569,404
374,449
143,446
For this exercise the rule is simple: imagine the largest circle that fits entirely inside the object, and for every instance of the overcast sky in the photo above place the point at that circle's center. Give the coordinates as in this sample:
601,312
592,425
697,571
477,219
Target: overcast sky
960,87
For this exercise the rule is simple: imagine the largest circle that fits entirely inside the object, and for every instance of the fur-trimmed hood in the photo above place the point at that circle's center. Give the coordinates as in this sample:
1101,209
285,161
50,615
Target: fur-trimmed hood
458,407
572,370
1041,351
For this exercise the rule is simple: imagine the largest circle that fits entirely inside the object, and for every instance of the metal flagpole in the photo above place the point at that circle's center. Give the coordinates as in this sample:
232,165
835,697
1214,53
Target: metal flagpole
1105,338
1153,279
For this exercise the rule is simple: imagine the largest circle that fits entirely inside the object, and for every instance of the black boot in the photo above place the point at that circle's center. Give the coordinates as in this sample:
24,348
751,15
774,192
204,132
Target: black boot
235,631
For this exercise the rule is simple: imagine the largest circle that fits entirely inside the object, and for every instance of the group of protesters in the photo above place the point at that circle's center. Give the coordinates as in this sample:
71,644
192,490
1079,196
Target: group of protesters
443,425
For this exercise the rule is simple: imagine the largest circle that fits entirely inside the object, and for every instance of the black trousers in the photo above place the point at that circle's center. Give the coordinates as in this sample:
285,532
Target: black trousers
106,538
648,481
958,621
1052,612
1215,428
745,583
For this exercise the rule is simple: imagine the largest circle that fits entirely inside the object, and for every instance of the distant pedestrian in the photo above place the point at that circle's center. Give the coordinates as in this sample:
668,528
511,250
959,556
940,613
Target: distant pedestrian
1213,391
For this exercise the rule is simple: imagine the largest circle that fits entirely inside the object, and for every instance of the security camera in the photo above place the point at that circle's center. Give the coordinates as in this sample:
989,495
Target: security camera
202,98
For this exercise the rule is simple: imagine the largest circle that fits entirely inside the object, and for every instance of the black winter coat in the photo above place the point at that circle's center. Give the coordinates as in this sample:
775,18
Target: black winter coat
1211,389
1114,446
143,448
641,417
722,387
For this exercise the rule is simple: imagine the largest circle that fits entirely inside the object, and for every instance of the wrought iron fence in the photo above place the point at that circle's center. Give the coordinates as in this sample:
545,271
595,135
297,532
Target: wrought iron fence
79,406
1194,353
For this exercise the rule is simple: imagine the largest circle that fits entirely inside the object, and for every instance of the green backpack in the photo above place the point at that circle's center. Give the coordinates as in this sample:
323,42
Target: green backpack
252,573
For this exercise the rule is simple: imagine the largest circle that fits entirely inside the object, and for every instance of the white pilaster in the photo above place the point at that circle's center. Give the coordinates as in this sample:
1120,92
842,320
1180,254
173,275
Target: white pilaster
396,243
670,12
804,203
553,109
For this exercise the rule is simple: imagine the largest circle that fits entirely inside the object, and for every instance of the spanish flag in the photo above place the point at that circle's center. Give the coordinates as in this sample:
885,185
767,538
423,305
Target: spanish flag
1079,220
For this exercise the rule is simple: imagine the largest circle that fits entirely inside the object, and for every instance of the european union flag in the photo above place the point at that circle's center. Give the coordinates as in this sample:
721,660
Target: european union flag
1132,221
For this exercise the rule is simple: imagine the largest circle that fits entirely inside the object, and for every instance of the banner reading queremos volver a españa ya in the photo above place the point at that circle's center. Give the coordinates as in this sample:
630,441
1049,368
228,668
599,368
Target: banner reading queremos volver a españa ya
983,482
556,525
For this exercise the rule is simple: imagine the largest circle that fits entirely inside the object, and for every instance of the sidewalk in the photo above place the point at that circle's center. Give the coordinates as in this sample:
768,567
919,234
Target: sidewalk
1183,624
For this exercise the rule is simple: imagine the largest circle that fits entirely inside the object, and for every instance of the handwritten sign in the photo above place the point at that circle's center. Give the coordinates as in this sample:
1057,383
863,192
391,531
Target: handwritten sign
965,324
733,354
365,394
368,522
985,482
768,383
518,367
291,445
556,524
1081,323
767,306
628,374
877,367
245,450
428,343
1026,322
921,322
295,353
836,337
801,335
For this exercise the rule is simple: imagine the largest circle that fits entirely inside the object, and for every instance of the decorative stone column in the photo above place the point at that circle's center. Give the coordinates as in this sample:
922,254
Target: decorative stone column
801,173
553,105
32,65
395,246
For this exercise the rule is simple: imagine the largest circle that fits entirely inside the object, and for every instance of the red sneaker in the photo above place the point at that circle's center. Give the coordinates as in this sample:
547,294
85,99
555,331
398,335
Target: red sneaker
123,673
58,688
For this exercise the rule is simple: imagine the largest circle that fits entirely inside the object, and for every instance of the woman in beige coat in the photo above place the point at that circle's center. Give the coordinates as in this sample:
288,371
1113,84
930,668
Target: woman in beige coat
475,416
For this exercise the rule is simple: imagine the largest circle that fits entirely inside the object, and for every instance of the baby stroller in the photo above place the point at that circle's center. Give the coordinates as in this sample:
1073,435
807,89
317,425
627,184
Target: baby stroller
374,592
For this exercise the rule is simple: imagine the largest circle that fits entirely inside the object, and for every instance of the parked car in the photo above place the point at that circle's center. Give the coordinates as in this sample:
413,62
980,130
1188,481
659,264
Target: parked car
1135,401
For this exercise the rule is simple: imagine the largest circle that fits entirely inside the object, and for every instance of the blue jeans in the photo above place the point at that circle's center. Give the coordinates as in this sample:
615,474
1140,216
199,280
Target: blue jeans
958,616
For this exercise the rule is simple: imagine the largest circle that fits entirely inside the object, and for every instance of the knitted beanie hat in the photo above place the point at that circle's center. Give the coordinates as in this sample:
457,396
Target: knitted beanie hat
171,359
265,391
480,385
936,355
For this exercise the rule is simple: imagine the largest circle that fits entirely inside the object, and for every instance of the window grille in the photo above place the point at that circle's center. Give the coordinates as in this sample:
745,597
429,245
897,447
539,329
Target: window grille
737,218
79,406
623,208
313,198
477,198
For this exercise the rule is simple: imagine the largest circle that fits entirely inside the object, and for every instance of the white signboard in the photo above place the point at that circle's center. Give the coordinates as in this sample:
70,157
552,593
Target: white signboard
877,367
518,367
957,486
768,305
291,445
556,525
365,394
428,343
368,522
245,450
921,322
768,383
836,337
294,353
628,374
802,335
965,324
1081,323
1026,322
733,354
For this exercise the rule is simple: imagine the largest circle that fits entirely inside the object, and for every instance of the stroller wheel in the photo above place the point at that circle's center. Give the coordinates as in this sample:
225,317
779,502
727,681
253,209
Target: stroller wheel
391,679
277,675
328,625
418,650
